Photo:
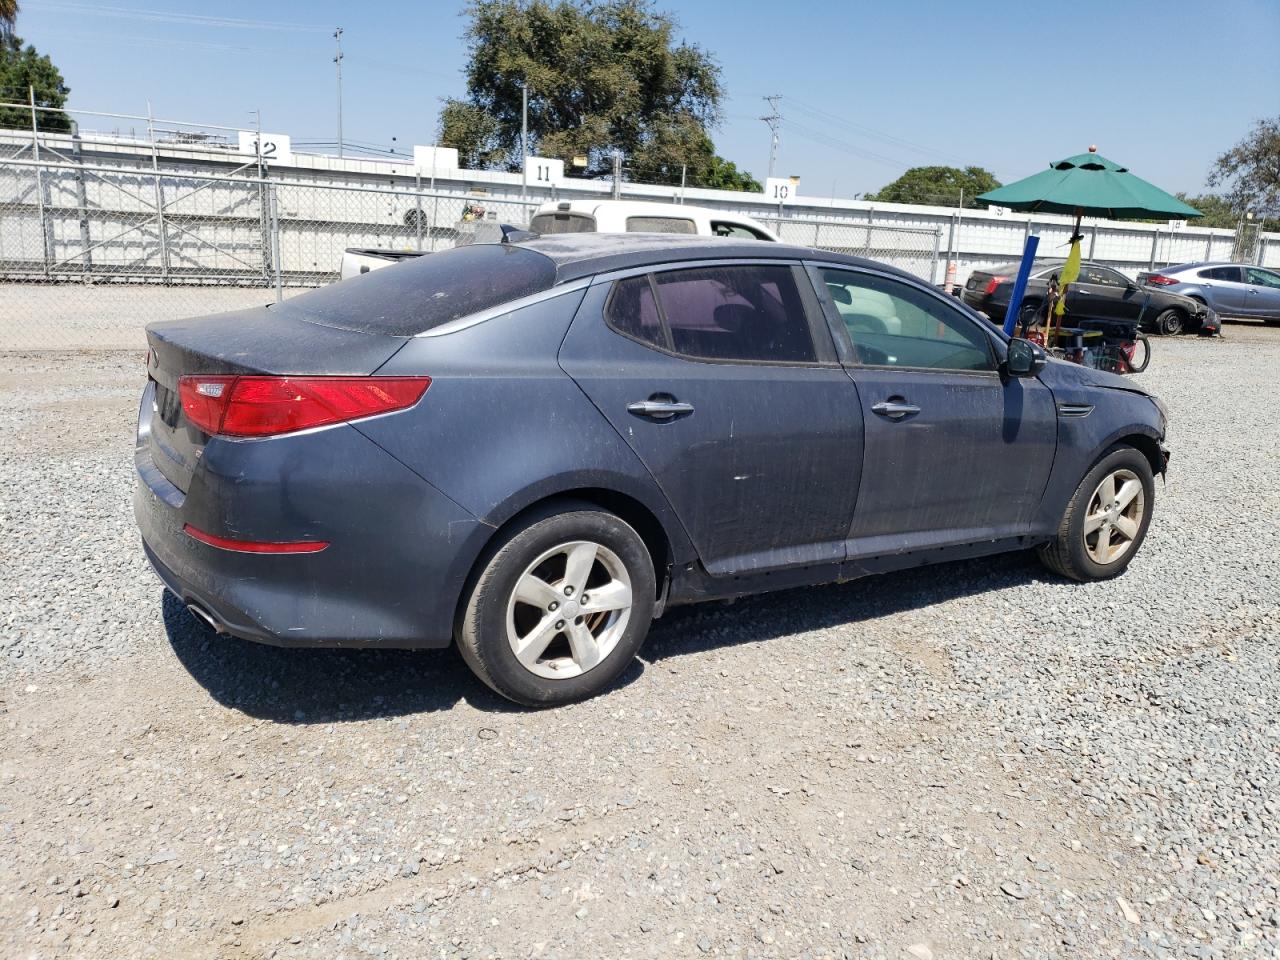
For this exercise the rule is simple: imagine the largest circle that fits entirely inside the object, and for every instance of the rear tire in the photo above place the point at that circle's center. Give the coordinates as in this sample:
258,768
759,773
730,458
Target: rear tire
531,628
1171,322
1141,353
1272,323
1107,519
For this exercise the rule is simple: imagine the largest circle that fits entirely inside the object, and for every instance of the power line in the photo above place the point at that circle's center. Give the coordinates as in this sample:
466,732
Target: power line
843,146
828,117
162,16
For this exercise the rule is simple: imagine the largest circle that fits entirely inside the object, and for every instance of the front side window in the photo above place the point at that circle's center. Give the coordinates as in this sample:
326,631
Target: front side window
723,228
1263,278
1102,277
660,225
892,324
748,313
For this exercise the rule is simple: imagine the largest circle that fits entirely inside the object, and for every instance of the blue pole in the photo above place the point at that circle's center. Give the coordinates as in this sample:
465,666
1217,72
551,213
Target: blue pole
1020,285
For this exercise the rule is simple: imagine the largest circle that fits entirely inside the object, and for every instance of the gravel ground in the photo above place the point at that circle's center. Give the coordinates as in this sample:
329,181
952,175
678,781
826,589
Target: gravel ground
974,760
73,316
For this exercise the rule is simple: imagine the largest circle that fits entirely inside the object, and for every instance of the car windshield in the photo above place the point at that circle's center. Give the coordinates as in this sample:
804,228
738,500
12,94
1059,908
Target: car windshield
413,296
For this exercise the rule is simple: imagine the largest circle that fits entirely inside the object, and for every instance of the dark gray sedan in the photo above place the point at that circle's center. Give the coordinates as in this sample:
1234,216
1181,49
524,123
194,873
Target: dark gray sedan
532,449
1237,290
1100,294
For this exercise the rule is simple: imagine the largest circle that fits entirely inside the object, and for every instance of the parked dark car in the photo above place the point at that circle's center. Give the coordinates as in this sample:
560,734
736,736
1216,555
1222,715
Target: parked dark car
534,448
1237,290
1099,294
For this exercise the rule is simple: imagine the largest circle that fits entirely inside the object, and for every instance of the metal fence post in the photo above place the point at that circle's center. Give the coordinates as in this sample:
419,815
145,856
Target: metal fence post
937,245
1093,241
159,197
46,239
1155,243
82,200
275,240
417,204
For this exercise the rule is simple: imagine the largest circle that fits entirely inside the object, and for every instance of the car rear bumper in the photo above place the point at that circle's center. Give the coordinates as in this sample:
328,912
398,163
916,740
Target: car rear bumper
398,556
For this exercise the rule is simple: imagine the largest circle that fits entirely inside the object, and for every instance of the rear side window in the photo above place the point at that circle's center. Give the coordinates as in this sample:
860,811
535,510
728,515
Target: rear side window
632,310
660,225
743,313
1220,273
558,222
413,296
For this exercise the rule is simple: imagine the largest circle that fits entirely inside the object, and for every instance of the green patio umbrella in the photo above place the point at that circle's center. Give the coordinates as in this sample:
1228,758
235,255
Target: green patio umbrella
1088,184
1091,185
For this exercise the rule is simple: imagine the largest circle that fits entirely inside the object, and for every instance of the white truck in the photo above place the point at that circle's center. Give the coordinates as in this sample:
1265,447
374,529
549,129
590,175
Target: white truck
641,216
594,216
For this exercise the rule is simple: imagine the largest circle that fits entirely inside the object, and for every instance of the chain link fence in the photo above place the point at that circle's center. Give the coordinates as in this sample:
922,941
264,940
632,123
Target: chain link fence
89,254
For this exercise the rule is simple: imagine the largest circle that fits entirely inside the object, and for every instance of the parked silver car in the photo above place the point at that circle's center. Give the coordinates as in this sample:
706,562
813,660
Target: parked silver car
1236,290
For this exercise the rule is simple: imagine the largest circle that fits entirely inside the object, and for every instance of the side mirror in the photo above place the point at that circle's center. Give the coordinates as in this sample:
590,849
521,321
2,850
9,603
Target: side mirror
1024,358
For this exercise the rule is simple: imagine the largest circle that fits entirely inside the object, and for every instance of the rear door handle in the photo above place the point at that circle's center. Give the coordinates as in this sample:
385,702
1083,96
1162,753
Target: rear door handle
659,409
894,409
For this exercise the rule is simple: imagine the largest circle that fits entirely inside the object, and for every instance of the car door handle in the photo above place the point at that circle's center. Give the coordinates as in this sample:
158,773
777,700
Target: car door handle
659,409
894,409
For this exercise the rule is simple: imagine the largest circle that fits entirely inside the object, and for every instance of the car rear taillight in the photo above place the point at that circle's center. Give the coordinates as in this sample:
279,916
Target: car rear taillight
994,282
265,406
1159,279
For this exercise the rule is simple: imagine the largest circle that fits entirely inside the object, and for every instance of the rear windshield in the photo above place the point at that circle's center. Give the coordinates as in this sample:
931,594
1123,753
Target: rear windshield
412,296
660,225
545,223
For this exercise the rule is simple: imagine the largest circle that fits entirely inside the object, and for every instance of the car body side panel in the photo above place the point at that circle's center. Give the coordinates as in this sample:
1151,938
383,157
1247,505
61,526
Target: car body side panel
1115,413
763,471
502,426
389,577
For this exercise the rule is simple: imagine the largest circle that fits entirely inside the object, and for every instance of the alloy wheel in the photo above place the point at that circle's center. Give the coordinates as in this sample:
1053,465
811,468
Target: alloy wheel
1114,517
569,609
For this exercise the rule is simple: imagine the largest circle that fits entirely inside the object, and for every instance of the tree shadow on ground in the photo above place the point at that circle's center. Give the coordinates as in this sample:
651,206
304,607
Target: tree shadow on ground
308,686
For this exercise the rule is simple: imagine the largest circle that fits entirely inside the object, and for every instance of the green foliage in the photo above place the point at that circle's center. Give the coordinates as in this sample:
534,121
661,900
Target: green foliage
1220,211
937,185
602,76
20,68
722,174
1251,170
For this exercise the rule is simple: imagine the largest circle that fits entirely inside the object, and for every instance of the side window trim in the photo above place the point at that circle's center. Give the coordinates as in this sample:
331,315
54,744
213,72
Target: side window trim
844,345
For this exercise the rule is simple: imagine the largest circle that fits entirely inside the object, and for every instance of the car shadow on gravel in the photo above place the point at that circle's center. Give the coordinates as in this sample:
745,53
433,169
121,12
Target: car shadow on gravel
306,686
328,686
693,629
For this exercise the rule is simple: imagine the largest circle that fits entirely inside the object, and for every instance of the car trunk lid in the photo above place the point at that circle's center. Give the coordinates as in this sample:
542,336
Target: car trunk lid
260,340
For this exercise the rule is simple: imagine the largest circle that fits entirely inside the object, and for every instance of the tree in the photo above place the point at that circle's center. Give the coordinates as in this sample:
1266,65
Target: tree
602,76
1251,170
937,185
722,174
22,68
8,16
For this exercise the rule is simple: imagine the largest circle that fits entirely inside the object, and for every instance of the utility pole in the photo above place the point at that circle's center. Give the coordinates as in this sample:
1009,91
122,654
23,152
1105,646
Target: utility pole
337,36
773,118
524,140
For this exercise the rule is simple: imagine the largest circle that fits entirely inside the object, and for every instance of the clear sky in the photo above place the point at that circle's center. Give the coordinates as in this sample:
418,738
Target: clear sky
868,89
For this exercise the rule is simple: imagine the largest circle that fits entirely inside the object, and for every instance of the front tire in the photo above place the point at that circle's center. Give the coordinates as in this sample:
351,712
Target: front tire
1171,322
1107,519
560,610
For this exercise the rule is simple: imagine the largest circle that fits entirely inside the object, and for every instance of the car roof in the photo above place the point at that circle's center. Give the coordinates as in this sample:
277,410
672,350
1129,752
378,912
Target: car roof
578,255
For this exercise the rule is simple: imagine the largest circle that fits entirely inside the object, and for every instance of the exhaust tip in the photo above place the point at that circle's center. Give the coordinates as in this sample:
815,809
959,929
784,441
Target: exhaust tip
203,615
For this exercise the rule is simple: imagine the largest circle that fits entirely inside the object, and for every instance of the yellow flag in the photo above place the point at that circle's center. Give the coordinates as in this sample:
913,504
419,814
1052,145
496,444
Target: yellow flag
1070,271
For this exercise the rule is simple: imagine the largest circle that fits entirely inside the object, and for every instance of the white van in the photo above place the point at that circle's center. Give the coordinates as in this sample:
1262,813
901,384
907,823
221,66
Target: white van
639,216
